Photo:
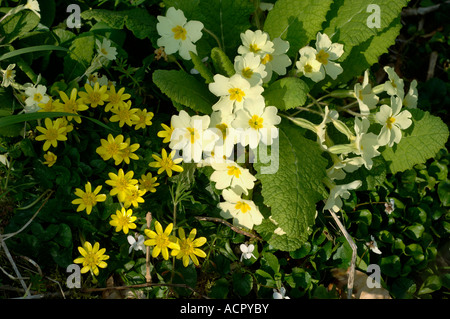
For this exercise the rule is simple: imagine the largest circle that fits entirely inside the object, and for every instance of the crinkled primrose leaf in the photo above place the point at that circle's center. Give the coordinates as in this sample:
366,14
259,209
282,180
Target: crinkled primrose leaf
293,190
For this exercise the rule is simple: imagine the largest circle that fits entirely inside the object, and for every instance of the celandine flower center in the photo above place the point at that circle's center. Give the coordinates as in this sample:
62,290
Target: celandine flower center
179,32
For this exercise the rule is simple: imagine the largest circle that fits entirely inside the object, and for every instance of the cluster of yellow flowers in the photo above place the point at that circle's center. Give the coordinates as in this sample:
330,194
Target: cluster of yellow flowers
128,190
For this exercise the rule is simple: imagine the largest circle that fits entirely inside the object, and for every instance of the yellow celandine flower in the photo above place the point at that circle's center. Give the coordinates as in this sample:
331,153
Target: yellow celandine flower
148,183
111,148
88,199
189,247
126,153
121,183
65,124
71,105
161,240
116,99
94,96
134,197
52,133
92,258
166,133
145,119
123,220
166,163
50,159
124,114
50,106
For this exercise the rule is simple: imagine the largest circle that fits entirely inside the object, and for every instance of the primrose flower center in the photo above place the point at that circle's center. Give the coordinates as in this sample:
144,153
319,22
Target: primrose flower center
243,207
37,97
9,73
236,94
389,122
103,50
179,32
322,57
308,68
223,128
254,48
256,122
233,170
193,133
247,72
267,58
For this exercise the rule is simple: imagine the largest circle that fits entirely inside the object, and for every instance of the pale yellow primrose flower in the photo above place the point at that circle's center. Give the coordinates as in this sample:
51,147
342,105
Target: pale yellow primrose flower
178,34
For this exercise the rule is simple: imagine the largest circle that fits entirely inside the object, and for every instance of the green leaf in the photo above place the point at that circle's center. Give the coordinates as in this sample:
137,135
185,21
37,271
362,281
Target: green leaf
363,43
292,185
426,136
432,283
79,59
184,88
414,231
36,48
227,19
201,68
20,118
391,265
137,20
269,260
286,93
444,192
242,283
17,25
220,289
296,21
222,62
64,236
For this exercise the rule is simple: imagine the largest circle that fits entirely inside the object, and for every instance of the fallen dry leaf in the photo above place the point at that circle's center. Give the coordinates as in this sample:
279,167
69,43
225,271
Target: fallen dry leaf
360,287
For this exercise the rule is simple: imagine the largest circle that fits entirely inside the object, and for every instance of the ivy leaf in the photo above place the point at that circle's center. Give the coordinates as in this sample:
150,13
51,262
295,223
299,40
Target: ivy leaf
293,185
426,136
286,93
184,89
296,21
